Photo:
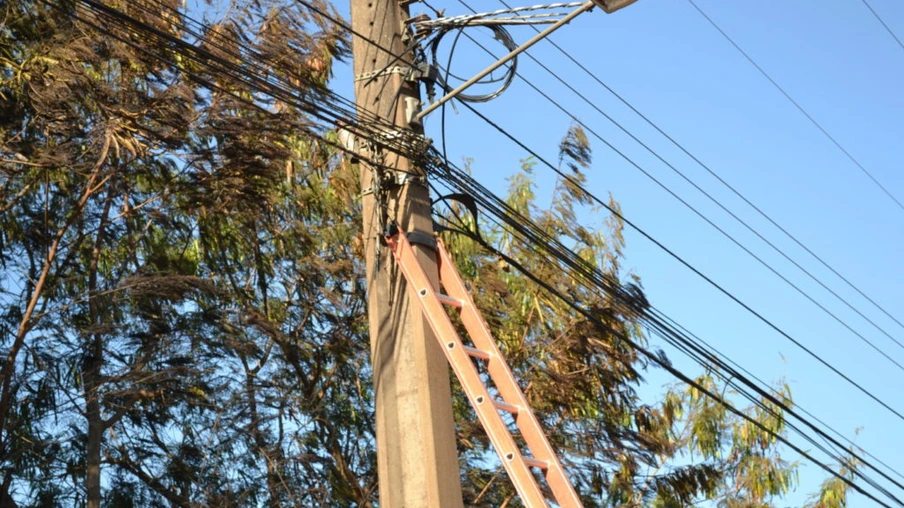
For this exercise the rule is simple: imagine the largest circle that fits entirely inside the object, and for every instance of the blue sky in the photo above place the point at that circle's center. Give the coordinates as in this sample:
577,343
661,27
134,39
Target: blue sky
838,62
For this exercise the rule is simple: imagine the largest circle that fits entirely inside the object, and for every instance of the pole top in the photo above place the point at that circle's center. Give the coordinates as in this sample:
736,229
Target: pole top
611,6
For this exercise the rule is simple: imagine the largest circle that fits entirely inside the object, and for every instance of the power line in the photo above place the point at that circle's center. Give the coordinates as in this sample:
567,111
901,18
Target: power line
540,241
704,217
690,381
597,199
882,22
535,154
681,260
709,170
747,373
687,264
666,328
249,74
798,106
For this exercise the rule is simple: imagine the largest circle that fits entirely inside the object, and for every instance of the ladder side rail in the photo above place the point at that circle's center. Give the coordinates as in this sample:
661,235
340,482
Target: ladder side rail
478,395
505,381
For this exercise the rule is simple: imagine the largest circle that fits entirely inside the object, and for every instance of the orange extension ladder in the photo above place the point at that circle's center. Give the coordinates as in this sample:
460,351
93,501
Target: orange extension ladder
483,351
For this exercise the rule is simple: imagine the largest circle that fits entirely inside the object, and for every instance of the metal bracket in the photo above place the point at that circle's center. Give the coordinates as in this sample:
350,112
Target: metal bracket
396,69
404,178
610,6
422,70
398,179
586,6
419,31
412,108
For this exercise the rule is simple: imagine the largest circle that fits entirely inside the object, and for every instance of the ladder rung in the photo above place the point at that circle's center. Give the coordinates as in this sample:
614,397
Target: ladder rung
505,406
521,467
477,353
529,461
532,462
448,300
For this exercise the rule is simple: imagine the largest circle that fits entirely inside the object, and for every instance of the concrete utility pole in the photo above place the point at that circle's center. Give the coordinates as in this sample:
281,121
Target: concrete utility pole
416,452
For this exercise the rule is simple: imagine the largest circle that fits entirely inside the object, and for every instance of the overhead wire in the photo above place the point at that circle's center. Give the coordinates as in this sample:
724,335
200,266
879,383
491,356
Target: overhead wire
799,107
542,244
535,243
653,357
706,219
577,265
249,73
551,41
694,269
718,203
717,286
534,154
735,365
593,132
883,23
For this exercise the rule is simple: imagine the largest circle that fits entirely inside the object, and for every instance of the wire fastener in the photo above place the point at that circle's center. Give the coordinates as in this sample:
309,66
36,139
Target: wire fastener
408,72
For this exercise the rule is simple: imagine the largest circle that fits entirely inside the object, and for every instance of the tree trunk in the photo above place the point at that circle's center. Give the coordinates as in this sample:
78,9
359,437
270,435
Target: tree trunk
91,371
95,431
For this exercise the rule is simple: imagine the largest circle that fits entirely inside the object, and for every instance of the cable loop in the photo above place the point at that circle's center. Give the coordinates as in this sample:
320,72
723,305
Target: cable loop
500,34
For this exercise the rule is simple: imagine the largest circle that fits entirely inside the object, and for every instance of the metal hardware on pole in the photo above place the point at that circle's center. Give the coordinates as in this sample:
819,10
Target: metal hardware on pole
586,6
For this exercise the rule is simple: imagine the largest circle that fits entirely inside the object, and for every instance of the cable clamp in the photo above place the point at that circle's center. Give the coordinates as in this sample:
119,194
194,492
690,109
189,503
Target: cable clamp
422,70
404,138
406,178
395,69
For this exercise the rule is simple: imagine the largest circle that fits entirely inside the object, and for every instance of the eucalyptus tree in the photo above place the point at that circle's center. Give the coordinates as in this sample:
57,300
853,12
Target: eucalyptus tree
157,253
582,376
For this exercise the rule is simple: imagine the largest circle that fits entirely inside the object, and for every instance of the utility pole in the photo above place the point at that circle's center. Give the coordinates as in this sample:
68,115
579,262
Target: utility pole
416,451
417,460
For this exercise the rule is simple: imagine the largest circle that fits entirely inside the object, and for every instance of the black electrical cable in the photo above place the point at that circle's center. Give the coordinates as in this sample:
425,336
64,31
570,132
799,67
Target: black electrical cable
714,225
798,106
275,92
500,34
543,242
709,170
684,331
694,269
717,203
838,372
883,23
578,266
795,448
